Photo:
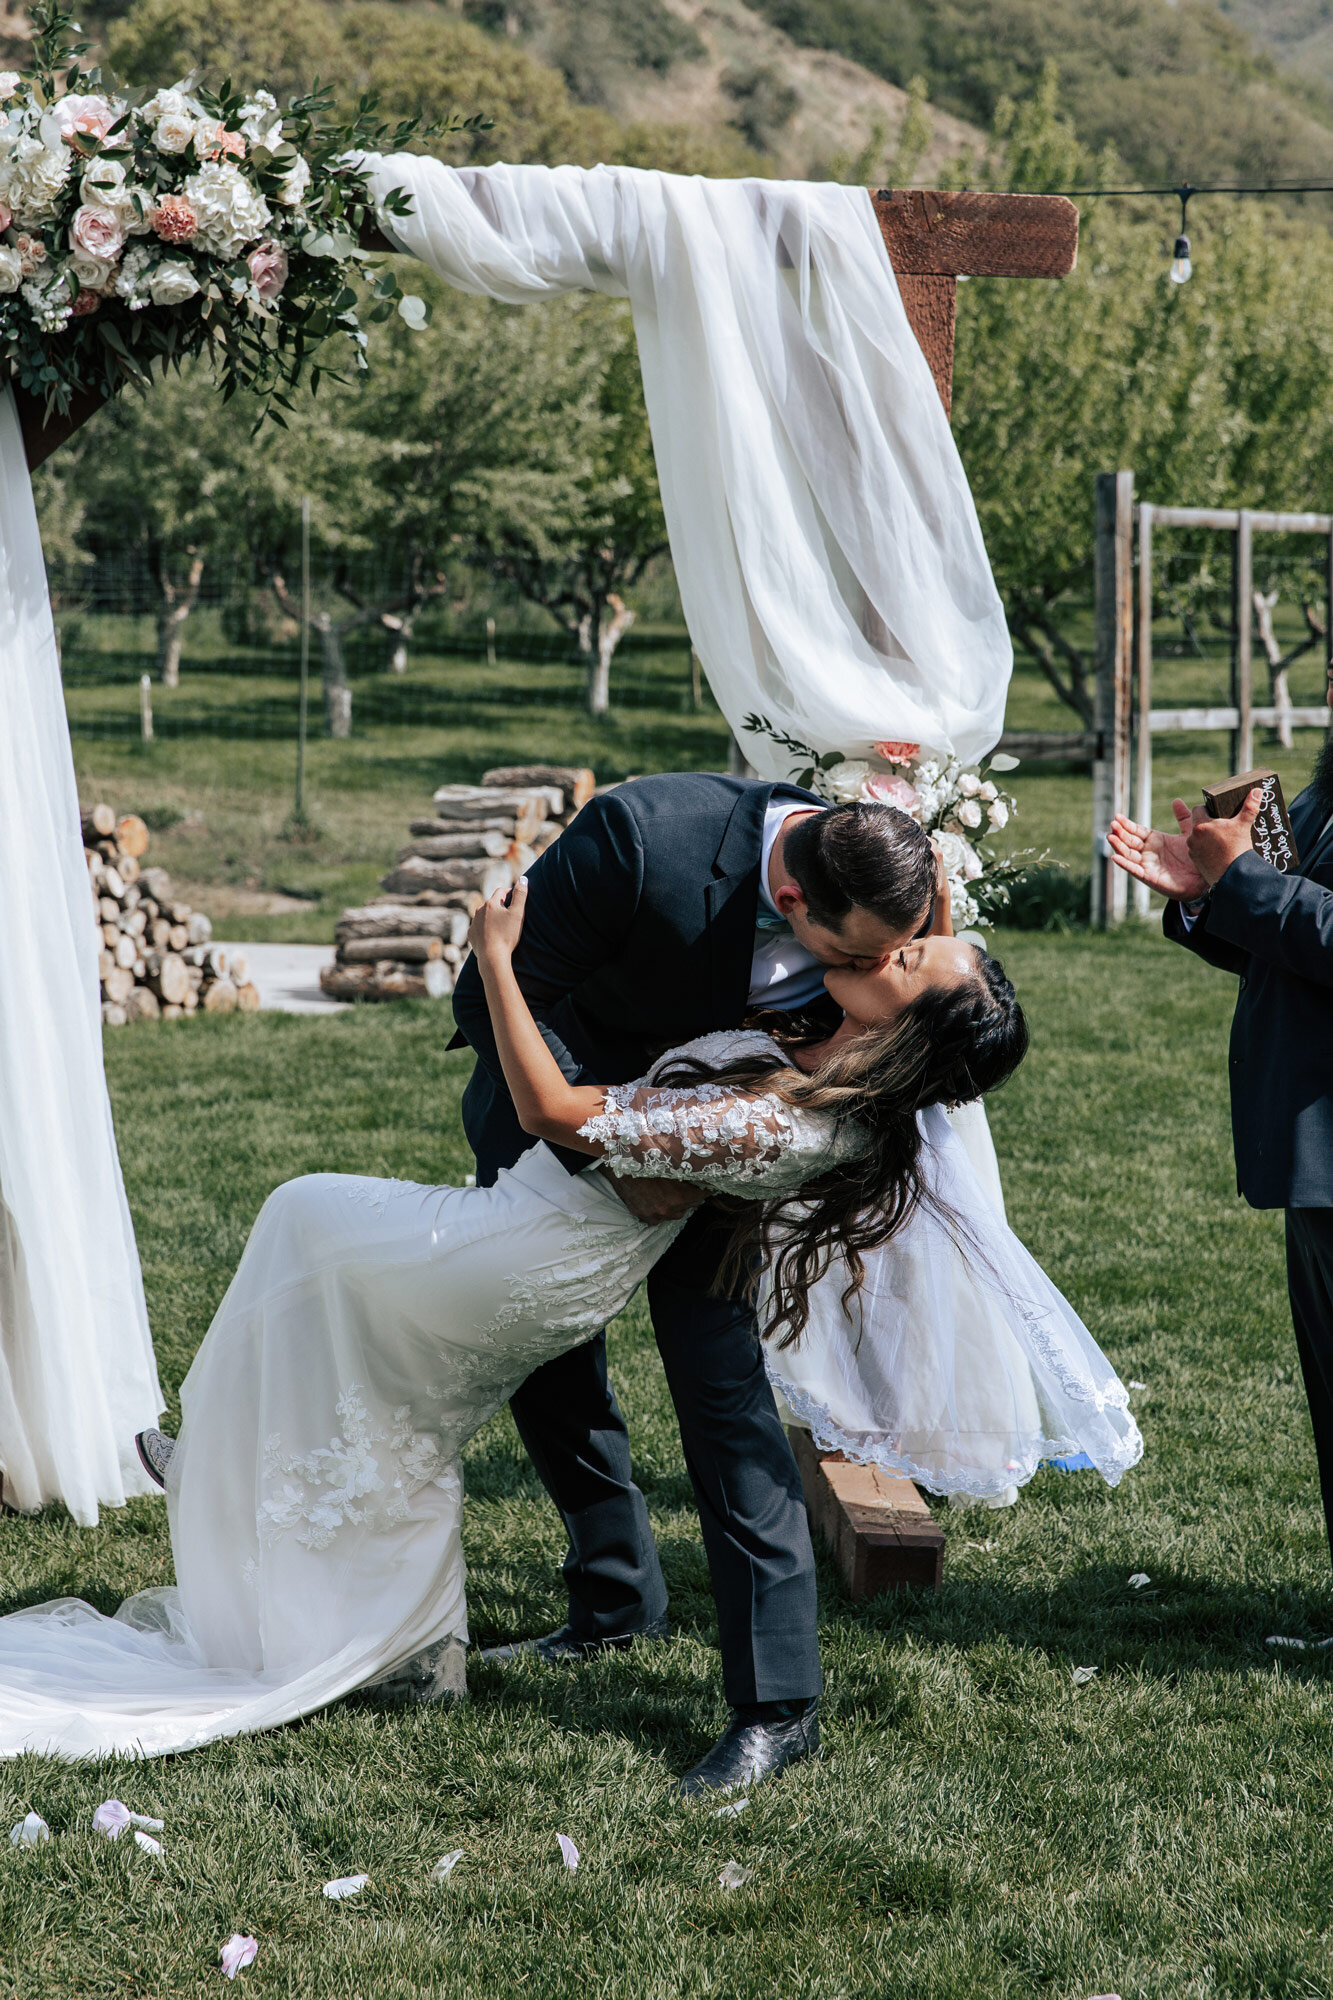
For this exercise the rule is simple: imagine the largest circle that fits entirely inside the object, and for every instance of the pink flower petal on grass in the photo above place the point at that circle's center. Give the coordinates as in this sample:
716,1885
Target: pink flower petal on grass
31,1831
237,1953
569,1852
112,1818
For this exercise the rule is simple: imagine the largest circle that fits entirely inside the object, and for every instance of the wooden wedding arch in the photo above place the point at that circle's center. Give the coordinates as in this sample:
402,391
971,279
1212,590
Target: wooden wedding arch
879,1530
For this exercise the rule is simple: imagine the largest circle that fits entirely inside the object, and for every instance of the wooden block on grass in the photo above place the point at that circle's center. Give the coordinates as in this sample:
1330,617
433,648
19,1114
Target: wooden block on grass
879,1530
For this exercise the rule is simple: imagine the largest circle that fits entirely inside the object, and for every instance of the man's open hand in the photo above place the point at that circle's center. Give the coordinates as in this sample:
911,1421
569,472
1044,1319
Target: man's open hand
653,1200
1165,861
1216,843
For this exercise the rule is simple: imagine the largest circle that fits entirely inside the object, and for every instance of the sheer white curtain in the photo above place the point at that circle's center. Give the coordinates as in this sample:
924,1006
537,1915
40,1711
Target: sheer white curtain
77,1376
828,552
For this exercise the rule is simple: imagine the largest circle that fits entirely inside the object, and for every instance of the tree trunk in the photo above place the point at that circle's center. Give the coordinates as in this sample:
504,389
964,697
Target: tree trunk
399,630
337,691
178,601
598,638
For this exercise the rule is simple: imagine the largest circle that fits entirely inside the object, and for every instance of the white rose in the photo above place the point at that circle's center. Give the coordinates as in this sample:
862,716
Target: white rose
997,812
960,858
32,179
11,268
173,132
93,274
171,283
171,101
231,213
842,782
969,813
103,182
988,792
295,183
9,84
969,784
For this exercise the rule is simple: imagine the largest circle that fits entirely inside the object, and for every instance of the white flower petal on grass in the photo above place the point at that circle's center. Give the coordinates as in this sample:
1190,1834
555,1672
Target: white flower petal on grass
730,1812
345,1885
1139,1581
112,1818
31,1831
237,1953
569,1852
146,1842
1299,1645
733,1876
1080,1676
1136,1385
446,1865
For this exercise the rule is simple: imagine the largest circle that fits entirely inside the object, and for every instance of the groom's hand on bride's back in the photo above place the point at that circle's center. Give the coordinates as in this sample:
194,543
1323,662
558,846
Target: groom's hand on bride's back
655,1201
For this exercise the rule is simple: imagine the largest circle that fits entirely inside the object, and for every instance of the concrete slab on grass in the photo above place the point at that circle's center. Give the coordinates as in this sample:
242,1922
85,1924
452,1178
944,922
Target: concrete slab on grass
287,976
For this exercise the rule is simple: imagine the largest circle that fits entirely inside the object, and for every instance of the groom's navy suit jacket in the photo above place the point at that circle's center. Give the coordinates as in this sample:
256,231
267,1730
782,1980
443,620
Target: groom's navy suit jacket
1276,933
639,933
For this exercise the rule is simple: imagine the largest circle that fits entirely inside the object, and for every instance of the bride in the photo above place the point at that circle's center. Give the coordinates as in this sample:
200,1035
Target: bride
373,1326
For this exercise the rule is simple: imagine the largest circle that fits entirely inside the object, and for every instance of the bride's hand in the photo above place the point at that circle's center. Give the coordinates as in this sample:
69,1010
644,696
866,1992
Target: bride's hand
498,925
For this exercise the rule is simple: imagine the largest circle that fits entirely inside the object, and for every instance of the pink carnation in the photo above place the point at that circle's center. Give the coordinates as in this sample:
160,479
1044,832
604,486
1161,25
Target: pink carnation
174,220
231,143
268,268
891,791
898,753
98,232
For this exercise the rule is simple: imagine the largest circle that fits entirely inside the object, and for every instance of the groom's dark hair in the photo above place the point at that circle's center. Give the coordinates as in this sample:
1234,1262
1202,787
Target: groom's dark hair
873,857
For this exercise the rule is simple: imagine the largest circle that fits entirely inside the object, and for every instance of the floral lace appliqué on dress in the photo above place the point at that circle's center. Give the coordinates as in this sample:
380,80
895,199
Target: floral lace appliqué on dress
365,1475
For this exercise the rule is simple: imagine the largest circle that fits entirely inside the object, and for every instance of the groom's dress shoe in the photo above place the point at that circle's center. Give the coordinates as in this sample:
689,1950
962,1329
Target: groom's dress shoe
759,1743
155,1449
566,1644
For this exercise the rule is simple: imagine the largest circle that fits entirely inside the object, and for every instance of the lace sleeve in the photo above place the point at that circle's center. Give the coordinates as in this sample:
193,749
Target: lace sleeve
706,1132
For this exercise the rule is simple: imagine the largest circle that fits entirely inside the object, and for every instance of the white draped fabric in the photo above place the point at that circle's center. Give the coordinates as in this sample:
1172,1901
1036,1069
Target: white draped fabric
828,553
77,1376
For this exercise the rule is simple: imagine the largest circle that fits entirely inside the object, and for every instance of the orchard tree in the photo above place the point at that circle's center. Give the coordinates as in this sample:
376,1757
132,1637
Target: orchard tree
578,566
166,478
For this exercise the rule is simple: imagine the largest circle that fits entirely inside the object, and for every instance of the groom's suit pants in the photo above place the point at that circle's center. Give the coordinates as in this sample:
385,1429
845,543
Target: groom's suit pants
748,1490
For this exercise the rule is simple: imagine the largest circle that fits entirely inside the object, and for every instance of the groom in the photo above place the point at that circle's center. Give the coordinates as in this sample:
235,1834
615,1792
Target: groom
672,906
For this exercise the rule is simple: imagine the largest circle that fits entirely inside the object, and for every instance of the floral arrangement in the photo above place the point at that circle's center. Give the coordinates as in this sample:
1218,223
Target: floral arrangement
957,807
190,222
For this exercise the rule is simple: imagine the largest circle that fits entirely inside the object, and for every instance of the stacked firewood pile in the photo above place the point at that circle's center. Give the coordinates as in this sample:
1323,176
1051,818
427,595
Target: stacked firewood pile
157,958
479,838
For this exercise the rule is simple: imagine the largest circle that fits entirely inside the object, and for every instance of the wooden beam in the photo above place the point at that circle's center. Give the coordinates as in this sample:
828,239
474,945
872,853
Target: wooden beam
878,1529
977,235
931,306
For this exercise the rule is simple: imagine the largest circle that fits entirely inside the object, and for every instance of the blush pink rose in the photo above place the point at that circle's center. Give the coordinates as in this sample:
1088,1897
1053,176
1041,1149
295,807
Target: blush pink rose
91,117
891,791
87,302
231,143
268,268
898,753
97,232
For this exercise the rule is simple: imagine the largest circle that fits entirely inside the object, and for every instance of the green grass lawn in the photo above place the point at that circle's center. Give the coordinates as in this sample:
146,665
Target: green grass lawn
980,1825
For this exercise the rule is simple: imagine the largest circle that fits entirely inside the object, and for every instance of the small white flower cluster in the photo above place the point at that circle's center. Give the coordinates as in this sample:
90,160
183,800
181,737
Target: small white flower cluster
956,806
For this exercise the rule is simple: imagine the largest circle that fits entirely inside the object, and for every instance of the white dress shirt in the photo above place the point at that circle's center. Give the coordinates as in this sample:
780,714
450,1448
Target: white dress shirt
783,974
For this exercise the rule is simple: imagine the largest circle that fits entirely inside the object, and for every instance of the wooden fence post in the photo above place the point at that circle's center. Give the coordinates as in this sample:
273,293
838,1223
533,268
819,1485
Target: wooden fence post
1143,788
1113,617
1242,670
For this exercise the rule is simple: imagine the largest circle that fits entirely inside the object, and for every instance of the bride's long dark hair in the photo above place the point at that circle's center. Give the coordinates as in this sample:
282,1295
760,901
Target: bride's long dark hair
950,1045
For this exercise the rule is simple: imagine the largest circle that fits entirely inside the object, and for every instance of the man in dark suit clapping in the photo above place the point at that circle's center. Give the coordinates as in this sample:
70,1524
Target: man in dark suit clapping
1275,931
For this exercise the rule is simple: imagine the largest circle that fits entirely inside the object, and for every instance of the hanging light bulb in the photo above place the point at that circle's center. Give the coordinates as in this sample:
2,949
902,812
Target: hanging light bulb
1181,267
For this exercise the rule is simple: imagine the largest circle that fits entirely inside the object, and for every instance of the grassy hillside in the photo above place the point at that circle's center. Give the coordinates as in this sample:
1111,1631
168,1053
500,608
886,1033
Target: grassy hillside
1178,89
1298,34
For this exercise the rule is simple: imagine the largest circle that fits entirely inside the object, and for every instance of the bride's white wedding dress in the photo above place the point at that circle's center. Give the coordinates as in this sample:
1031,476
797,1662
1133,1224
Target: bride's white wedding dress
371,1328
